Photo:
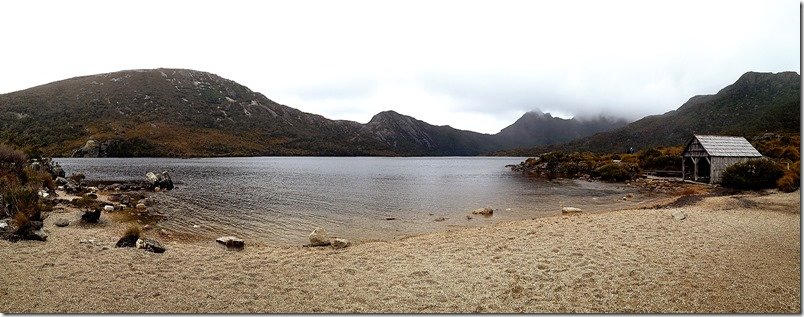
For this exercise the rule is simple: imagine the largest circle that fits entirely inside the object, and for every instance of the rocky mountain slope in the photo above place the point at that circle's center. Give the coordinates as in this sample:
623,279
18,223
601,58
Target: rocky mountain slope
755,104
180,113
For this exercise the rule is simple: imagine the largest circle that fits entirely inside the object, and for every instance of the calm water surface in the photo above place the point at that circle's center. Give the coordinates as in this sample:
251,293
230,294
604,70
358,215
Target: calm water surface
281,199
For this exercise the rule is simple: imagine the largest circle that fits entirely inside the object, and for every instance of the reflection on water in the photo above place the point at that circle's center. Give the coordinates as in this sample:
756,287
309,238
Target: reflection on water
281,199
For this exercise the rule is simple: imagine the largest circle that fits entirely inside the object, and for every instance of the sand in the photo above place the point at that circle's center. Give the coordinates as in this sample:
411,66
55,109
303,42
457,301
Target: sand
731,254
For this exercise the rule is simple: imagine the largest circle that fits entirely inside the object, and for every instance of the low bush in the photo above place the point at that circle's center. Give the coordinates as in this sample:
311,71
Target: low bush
752,174
791,181
130,237
614,172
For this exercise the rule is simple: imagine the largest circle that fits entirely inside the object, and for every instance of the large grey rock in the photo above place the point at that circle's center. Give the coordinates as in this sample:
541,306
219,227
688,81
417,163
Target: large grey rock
161,181
62,222
679,215
61,181
39,235
566,210
231,242
340,243
483,211
318,237
58,171
150,245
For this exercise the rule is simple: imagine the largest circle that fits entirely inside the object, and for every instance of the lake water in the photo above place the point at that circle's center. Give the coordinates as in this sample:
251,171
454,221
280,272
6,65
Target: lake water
279,200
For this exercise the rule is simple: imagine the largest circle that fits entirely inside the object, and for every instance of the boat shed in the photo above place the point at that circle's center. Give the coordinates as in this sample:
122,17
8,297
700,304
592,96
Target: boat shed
710,155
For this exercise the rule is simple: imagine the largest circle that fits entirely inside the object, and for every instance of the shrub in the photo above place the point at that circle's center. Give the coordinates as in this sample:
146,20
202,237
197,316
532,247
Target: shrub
614,172
752,174
649,153
791,179
662,162
130,237
86,202
22,223
11,159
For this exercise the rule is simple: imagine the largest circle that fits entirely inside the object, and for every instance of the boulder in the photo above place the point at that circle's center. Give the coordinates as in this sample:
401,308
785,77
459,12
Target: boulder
340,243
141,206
39,235
3,225
318,237
62,222
108,208
483,211
566,210
72,187
679,215
161,181
91,216
58,171
36,225
127,241
125,199
61,181
149,245
231,242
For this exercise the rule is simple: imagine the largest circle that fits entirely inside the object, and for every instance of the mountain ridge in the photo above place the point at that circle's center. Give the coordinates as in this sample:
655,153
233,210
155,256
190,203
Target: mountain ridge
756,103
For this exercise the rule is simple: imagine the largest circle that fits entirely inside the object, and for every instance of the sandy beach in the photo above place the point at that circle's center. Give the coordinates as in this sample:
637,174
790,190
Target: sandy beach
738,253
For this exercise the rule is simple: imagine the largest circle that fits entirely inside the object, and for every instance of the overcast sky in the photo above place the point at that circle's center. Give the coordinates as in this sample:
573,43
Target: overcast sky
476,65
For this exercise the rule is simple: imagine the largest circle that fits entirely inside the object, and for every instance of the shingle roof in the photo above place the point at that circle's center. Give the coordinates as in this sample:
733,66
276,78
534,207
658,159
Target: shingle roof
717,145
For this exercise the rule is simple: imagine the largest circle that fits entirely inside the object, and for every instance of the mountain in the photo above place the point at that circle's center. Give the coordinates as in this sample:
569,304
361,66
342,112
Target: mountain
170,112
755,104
537,128
181,113
405,134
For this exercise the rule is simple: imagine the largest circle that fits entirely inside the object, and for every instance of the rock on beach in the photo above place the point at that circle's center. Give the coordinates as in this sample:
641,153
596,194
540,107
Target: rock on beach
318,237
231,242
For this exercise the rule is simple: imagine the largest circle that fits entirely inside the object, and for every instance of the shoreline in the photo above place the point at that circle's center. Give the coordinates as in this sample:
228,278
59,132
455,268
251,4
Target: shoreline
736,253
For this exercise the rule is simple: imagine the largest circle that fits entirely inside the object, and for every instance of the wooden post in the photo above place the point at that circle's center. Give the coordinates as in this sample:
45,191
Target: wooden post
683,159
695,175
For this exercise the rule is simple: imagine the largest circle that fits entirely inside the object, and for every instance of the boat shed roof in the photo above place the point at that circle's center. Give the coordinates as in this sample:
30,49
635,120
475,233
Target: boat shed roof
717,145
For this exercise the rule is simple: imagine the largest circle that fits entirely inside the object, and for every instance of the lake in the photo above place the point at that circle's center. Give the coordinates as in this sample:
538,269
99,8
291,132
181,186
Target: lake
279,200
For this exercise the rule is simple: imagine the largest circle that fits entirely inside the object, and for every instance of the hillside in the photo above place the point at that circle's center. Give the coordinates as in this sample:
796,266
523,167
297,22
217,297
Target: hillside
185,113
756,103
170,112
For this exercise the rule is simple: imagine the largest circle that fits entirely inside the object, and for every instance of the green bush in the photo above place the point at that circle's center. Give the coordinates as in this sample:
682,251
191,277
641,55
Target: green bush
752,174
662,162
614,172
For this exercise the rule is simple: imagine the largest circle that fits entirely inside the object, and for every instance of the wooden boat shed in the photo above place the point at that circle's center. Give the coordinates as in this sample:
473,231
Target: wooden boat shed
710,155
